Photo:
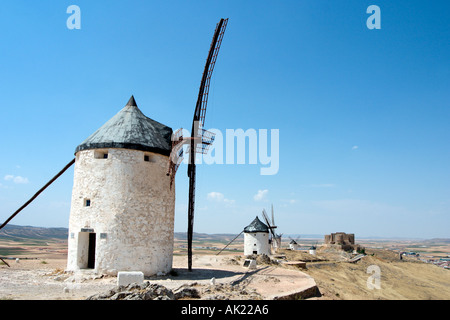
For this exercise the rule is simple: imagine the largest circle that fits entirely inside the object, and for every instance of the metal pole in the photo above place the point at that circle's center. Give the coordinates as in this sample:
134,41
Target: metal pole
230,242
39,192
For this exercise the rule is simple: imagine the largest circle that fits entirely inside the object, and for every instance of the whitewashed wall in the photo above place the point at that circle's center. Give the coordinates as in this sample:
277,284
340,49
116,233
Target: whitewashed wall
131,212
256,241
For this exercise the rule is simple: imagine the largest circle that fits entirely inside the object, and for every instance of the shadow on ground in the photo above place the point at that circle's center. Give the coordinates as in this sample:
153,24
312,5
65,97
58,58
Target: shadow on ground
197,274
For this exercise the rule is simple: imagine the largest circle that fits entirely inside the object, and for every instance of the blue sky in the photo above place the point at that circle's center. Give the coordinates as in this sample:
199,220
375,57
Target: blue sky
363,115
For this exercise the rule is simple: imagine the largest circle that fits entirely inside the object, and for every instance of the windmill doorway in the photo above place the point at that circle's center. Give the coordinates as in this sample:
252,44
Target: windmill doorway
86,250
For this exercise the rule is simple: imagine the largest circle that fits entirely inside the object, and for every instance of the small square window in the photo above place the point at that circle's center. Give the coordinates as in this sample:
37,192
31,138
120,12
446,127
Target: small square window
149,157
87,202
101,154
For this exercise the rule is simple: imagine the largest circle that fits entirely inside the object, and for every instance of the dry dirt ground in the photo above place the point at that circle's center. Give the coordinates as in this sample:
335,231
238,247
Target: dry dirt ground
407,279
46,280
336,279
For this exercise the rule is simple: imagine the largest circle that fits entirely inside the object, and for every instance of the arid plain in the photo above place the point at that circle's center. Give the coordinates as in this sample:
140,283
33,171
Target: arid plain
42,260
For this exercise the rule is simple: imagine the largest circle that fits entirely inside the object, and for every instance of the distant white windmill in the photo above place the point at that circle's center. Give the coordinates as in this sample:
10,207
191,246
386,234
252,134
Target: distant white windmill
293,245
312,249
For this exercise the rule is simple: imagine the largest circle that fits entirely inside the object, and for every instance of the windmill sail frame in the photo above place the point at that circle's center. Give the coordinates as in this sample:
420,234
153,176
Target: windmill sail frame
197,126
275,239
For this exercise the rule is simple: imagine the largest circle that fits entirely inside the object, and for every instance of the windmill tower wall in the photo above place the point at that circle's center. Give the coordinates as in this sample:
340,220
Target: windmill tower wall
122,211
127,204
256,238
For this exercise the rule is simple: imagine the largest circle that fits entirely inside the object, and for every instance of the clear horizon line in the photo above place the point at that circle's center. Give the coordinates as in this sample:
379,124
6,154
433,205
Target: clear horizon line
371,237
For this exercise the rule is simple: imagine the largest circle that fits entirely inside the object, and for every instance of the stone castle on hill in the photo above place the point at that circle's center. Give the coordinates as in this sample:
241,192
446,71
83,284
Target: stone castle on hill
342,240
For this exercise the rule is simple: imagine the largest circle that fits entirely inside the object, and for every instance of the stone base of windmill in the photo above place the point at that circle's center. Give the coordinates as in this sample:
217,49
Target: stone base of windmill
125,278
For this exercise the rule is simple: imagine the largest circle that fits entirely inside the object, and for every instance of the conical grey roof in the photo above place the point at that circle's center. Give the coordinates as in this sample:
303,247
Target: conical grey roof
131,129
256,226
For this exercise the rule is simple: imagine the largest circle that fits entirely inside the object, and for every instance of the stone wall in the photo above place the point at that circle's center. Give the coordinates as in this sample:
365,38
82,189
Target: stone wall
131,211
256,241
340,238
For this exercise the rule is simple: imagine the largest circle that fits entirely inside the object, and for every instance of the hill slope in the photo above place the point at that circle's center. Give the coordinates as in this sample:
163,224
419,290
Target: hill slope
16,233
406,279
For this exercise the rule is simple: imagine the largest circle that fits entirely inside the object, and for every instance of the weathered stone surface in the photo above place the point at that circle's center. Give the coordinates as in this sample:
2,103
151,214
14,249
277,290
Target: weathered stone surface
131,205
125,278
134,291
130,129
186,292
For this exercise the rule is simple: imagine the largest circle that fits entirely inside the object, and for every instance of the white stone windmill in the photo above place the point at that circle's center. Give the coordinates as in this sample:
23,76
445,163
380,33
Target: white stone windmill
122,211
256,238
293,244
